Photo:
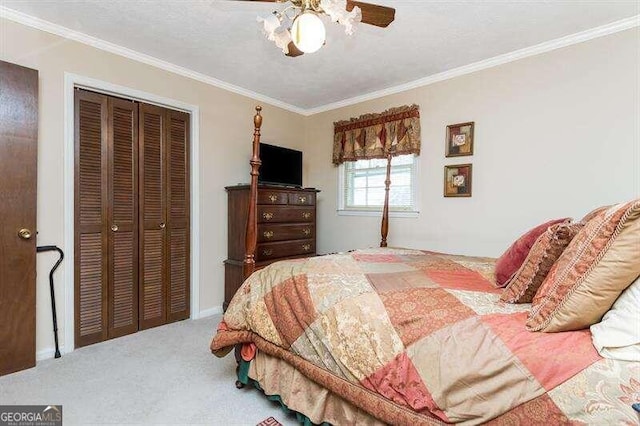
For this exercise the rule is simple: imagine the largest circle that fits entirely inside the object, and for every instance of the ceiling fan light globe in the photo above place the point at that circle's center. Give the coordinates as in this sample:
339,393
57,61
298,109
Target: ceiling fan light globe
308,32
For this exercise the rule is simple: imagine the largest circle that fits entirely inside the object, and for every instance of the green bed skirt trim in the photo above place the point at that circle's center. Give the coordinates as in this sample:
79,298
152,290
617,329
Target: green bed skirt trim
243,377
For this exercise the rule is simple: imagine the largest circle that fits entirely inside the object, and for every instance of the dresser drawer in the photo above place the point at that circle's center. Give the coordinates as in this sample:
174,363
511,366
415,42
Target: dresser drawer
268,232
266,251
302,198
275,214
273,197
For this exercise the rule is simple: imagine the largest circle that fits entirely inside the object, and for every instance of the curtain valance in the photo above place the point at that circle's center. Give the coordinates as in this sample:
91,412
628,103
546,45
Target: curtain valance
395,131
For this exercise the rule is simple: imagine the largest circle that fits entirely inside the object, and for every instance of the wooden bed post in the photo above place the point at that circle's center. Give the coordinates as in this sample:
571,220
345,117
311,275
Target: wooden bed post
384,229
252,219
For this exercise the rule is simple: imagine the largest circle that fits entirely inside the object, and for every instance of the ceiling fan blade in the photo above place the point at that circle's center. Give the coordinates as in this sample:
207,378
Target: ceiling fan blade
294,51
373,14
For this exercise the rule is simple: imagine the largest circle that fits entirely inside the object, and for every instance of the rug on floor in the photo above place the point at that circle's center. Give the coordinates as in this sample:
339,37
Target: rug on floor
269,422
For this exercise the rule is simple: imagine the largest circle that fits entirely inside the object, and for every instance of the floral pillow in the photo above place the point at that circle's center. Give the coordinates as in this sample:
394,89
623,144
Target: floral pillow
597,265
593,213
545,251
512,259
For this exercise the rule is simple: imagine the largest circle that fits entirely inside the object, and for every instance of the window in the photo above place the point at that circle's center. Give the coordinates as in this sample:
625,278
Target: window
362,185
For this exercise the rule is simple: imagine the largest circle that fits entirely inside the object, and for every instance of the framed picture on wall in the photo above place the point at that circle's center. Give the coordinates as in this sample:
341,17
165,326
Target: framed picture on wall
457,180
459,140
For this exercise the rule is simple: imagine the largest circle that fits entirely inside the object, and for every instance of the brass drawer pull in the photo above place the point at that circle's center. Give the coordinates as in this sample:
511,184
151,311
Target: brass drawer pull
306,215
306,231
114,228
273,198
268,234
267,252
302,200
267,216
306,247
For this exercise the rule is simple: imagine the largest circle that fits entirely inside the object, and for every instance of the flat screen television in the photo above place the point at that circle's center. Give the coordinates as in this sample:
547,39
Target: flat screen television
280,166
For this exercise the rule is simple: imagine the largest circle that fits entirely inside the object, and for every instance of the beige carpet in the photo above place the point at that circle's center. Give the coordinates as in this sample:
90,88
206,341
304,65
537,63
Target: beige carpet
165,375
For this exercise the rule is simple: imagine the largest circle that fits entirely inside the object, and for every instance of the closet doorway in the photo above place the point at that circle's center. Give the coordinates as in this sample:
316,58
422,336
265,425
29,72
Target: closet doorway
131,214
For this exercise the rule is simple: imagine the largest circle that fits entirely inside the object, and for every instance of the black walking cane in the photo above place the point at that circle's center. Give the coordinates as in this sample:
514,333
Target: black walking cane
53,294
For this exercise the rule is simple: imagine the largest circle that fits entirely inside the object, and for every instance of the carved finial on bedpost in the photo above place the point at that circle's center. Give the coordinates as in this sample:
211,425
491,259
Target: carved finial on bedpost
384,228
257,119
252,219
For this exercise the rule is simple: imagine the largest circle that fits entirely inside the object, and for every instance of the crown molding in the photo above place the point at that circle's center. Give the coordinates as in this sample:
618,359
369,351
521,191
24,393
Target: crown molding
41,24
537,49
59,30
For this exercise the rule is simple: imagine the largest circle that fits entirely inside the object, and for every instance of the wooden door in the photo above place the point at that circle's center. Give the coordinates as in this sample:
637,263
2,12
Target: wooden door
91,151
153,205
18,166
132,217
164,216
122,217
106,240
178,228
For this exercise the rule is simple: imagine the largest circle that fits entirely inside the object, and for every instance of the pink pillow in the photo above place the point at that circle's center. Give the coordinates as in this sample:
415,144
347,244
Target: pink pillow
512,259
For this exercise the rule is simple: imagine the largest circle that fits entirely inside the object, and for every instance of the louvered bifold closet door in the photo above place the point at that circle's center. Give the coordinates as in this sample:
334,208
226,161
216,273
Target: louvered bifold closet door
152,205
90,264
106,218
123,217
178,215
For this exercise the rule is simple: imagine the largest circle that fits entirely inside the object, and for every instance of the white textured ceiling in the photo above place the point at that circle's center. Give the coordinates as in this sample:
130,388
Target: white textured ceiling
222,39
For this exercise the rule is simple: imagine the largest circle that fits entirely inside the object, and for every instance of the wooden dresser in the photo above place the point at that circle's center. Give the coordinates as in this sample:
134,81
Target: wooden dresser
286,229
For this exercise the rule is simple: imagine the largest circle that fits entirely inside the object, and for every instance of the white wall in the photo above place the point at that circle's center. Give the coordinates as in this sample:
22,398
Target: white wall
555,135
226,132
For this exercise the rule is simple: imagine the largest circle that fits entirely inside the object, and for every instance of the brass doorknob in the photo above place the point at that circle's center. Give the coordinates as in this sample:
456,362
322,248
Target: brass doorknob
114,227
25,234
162,225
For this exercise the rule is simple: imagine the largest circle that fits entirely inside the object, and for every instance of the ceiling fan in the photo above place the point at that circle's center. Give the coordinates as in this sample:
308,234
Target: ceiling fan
298,29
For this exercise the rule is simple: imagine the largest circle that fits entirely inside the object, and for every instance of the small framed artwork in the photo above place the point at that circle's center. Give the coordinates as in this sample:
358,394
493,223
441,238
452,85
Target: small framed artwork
459,140
457,180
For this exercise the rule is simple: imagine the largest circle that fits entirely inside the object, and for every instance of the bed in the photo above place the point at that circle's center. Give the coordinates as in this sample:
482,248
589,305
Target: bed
405,337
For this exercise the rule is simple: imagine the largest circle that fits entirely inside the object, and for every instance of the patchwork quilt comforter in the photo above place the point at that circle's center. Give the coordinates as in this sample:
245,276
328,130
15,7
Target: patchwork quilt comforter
413,336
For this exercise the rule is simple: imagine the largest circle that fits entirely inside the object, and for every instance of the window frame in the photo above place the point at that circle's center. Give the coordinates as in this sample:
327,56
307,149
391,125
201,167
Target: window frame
343,210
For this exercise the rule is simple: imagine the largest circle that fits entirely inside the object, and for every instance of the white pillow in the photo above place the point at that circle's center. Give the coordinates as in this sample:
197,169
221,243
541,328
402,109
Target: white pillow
617,336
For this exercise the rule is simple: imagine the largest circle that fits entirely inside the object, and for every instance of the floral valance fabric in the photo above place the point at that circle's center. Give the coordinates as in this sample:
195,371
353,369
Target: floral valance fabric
395,131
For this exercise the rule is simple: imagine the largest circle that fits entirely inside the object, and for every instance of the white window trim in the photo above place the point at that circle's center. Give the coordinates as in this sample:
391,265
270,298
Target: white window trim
342,211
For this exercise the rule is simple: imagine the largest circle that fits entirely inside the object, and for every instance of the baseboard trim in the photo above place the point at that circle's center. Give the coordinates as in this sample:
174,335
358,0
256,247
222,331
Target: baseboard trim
47,353
216,310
